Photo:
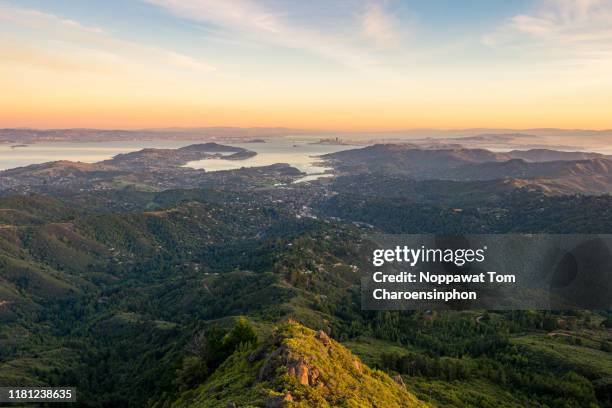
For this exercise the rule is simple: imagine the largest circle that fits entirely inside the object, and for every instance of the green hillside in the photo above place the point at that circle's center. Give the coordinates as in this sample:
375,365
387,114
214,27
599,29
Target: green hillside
108,292
298,367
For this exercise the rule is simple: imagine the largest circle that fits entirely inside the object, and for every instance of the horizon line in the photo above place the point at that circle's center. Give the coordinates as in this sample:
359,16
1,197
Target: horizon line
316,130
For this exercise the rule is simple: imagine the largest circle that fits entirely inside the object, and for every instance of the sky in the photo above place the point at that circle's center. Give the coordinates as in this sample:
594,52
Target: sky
317,64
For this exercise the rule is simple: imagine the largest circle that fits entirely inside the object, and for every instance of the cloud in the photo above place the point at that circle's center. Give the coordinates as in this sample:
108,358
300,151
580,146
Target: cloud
57,43
253,22
39,20
32,56
568,29
238,14
380,26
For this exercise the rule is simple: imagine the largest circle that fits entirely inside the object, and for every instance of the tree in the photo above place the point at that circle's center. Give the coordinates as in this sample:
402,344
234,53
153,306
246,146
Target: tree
242,333
192,373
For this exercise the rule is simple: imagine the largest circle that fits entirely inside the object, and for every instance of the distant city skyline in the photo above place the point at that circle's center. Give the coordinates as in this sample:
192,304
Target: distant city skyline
329,65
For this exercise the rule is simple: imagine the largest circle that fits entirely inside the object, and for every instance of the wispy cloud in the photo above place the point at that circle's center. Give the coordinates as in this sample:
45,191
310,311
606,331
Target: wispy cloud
381,26
40,20
255,22
58,43
570,29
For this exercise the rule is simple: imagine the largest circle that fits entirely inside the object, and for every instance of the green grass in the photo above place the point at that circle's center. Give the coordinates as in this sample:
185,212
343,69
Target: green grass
343,381
554,351
370,349
463,394
31,369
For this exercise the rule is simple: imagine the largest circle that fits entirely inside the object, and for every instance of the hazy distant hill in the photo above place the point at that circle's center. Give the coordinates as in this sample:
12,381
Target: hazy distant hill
405,159
156,158
25,135
518,168
555,171
543,155
147,169
57,174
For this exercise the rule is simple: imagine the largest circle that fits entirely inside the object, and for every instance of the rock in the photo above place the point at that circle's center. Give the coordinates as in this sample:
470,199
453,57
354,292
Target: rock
275,402
296,367
275,359
313,376
398,379
272,342
302,371
257,354
323,338
299,369
231,405
279,402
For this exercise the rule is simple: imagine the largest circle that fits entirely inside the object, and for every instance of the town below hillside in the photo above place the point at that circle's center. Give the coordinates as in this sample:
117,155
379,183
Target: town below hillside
143,282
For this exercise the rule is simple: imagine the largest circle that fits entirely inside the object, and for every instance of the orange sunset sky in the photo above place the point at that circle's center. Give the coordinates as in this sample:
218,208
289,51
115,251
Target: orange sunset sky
351,65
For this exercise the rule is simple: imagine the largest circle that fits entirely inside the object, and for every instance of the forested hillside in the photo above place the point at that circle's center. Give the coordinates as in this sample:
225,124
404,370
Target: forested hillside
166,298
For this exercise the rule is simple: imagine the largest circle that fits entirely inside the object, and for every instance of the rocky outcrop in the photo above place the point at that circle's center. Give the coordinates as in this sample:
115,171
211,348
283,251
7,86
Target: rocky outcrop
297,366
323,338
279,401
399,380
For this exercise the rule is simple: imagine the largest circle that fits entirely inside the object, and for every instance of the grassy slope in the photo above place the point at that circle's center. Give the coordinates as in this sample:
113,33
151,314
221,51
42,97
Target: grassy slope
342,379
197,224
556,350
459,394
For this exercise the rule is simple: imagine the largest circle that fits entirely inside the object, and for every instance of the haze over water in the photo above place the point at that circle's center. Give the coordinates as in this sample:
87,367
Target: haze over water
298,154
301,154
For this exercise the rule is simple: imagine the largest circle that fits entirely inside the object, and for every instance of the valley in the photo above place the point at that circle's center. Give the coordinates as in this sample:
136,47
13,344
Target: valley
146,283
306,204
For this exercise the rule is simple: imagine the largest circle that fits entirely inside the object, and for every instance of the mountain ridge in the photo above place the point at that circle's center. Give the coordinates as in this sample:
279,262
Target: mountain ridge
298,367
568,173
